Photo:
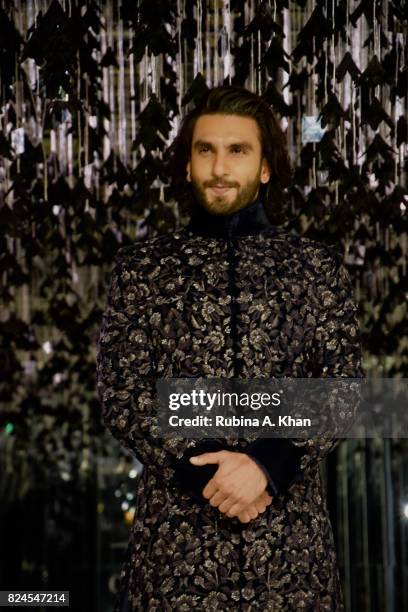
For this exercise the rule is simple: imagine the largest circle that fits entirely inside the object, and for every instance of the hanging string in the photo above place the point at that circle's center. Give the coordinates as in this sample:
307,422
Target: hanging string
216,38
258,72
383,285
105,88
376,46
200,37
208,49
226,17
360,37
252,86
314,113
198,52
396,108
185,58
352,85
112,97
287,95
333,46
357,222
122,94
327,51
287,23
340,128
22,301
274,9
133,130
152,73
178,67
144,76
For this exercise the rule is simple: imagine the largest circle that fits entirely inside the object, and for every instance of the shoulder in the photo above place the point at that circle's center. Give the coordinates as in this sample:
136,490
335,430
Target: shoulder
148,249
312,253
310,262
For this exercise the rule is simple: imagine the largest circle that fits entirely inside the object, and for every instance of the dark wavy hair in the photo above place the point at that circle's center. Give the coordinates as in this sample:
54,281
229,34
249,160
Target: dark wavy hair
232,100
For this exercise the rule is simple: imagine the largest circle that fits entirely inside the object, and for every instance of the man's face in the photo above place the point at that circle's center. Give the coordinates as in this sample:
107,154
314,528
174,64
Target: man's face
226,165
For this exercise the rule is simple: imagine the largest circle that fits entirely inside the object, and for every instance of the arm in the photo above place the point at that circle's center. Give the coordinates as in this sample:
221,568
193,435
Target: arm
337,353
126,382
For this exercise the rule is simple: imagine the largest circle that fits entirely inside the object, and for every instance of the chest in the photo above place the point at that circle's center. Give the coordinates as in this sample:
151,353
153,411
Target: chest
229,310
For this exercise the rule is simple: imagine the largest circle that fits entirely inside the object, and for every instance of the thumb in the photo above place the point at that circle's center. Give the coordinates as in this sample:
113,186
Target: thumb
206,458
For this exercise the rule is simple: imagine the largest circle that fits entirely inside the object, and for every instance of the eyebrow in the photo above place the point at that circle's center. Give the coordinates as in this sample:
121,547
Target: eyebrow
243,144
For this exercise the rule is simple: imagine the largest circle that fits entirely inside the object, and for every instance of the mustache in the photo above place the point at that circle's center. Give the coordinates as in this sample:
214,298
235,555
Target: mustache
219,184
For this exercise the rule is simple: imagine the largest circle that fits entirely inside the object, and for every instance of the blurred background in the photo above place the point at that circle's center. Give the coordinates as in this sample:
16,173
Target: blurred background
91,97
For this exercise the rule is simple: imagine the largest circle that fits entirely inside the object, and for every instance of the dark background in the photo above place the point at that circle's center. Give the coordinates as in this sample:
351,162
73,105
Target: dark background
91,95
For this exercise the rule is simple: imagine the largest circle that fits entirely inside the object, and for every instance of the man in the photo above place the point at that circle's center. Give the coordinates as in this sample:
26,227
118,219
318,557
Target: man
226,524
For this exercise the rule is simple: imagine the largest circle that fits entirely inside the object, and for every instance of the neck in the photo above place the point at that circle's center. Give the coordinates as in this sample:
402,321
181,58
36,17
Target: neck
247,221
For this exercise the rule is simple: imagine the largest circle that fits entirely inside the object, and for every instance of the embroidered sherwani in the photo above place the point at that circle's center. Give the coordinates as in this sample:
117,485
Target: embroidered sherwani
226,297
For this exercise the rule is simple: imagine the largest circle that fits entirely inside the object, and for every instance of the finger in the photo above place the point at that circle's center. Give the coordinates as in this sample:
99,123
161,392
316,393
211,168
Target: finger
210,489
253,512
260,506
237,509
265,498
218,500
244,517
250,512
206,458
226,504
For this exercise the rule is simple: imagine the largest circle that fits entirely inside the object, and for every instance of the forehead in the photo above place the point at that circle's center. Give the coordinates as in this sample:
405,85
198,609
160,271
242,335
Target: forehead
226,128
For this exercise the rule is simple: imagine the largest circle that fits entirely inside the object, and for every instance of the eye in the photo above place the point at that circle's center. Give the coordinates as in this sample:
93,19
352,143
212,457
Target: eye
203,149
237,149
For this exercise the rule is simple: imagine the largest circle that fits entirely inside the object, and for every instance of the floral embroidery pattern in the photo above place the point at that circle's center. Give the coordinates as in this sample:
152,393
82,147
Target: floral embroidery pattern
169,314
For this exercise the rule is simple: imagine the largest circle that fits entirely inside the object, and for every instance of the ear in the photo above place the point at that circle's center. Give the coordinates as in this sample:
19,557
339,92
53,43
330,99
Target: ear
265,172
188,168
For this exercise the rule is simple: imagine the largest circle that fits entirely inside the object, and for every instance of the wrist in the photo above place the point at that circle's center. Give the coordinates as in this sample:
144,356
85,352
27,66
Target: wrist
260,471
270,487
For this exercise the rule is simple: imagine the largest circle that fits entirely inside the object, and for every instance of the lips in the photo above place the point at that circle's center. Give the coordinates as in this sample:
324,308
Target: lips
220,188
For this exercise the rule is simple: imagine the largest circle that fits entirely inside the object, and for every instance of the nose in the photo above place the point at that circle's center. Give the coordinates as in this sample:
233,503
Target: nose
220,164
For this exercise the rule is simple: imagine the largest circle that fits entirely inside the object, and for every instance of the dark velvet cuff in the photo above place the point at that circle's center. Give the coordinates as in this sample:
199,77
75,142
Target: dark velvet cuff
271,487
280,460
191,478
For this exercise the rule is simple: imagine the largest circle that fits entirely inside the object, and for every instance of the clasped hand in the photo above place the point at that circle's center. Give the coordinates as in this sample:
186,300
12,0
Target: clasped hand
238,486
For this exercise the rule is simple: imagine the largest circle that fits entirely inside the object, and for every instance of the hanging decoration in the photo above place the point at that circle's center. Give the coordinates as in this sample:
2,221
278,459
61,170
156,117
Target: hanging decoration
91,96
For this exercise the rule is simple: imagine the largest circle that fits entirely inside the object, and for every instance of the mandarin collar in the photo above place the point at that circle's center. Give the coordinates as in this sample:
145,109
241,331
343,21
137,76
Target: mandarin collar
248,221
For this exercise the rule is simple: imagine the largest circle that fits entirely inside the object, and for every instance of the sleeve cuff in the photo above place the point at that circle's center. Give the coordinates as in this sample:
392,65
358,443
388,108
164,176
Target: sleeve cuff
191,478
271,488
280,459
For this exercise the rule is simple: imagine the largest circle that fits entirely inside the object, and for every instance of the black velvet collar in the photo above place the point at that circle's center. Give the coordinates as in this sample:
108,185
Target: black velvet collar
248,221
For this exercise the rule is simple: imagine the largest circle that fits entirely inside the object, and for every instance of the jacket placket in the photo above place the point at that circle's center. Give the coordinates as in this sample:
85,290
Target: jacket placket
233,290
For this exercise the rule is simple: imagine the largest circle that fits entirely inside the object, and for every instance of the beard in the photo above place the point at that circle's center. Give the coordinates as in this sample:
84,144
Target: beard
220,204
